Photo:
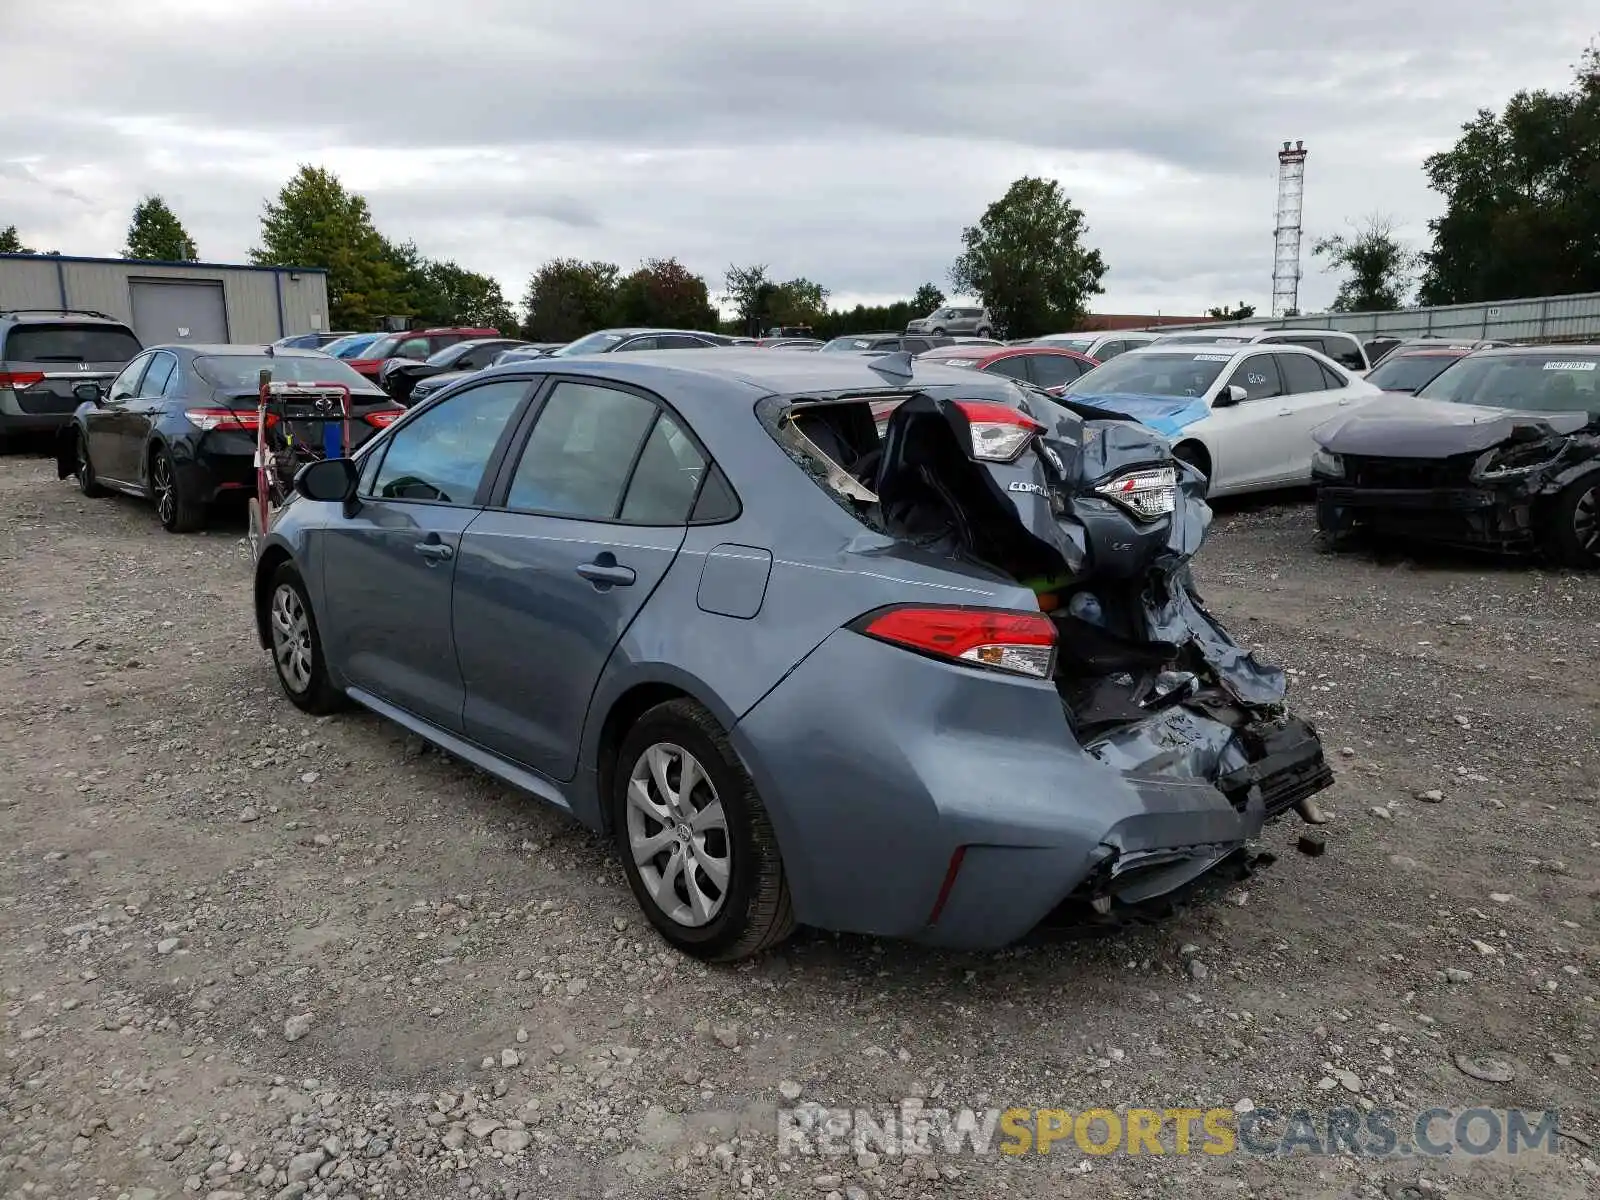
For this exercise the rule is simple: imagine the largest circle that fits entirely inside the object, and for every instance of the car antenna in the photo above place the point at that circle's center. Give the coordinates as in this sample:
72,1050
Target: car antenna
897,364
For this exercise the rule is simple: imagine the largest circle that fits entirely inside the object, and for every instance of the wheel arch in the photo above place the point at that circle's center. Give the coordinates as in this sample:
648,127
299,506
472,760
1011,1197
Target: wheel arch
623,705
272,557
1197,446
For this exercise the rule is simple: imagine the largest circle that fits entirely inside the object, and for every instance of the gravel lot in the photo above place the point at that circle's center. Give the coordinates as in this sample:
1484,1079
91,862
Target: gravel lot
247,953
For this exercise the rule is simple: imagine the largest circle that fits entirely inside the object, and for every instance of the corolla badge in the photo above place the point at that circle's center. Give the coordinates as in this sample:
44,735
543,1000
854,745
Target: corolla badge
1020,486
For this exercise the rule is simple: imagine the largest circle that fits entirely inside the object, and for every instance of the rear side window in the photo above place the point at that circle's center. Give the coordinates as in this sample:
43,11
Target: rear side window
159,376
70,343
1301,373
1346,352
580,452
664,483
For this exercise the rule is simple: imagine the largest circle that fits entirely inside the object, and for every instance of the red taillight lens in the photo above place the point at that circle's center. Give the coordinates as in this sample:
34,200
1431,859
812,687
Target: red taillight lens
384,417
1023,643
999,432
228,419
367,366
18,380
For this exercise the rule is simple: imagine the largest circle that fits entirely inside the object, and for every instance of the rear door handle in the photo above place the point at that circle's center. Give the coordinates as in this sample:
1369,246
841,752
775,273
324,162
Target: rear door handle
605,572
433,548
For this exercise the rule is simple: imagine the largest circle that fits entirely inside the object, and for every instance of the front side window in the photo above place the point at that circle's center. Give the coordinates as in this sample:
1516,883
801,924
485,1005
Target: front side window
1258,376
1015,367
639,343
580,452
127,383
1301,373
441,454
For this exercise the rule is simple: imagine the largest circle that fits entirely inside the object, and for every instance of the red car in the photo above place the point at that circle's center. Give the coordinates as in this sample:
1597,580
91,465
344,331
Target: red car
415,344
1045,366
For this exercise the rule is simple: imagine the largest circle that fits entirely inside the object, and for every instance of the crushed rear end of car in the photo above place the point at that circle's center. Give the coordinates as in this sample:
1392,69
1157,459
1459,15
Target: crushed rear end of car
1084,758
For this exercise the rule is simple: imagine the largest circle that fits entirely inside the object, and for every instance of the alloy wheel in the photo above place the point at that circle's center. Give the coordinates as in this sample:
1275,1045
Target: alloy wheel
678,835
161,483
291,638
1586,521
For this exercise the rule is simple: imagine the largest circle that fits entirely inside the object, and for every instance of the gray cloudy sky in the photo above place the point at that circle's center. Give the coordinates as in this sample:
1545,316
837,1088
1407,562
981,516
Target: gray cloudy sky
846,142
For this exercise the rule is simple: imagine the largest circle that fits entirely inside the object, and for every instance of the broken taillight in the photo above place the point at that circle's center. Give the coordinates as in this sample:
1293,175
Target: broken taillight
1147,494
1023,643
999,432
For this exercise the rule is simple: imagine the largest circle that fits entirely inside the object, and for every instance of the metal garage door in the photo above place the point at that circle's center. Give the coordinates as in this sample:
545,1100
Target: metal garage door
166,310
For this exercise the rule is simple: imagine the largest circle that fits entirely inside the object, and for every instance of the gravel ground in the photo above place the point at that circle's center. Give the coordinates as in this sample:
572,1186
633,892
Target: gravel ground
247,953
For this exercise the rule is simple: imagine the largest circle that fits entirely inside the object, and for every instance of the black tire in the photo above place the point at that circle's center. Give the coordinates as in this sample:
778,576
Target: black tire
754,912
309,690
84,471
985,333
1195,455
1574,523
178,511
937,332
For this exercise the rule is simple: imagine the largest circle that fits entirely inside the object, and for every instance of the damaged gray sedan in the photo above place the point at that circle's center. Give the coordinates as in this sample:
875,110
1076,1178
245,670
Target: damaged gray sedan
1500,451
943,678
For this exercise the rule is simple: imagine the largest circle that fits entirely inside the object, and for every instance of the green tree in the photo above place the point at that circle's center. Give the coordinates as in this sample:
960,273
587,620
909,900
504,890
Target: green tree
1522,198
1026,259
11,242
470,298
155,232
797,302
567,299
315,222
1379,270
747,291
927,299
666,293
1239,312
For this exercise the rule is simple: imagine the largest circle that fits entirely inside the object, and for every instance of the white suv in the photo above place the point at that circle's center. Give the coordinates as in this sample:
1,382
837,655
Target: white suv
1344,348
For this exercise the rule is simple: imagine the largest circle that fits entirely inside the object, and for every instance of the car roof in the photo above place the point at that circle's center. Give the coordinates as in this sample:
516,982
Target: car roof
755,369
992,353
635,330
1428,352
252,349
1230,348
67,316
1519,351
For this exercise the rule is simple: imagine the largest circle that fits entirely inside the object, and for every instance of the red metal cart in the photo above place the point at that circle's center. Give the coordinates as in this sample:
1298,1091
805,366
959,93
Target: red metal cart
296,424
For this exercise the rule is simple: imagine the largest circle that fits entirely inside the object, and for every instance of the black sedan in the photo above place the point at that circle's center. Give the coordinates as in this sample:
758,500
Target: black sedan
399,375
1501,451
178,425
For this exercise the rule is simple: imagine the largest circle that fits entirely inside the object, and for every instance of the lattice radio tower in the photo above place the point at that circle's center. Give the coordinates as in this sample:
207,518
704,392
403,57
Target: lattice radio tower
1286,237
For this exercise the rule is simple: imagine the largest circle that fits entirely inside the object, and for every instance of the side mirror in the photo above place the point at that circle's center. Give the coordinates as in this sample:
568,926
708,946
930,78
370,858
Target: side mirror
1231,395
328,480
87,392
